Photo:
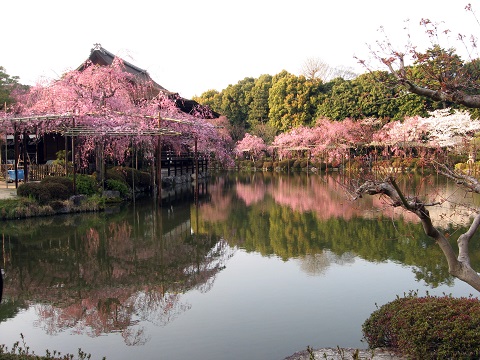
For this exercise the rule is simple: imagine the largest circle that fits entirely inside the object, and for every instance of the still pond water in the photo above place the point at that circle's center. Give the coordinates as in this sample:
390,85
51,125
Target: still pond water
261,267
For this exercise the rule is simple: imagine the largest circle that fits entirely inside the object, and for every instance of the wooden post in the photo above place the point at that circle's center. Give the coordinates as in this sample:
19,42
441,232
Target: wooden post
73,161
25,156
66,155
15,162
196,171
159,163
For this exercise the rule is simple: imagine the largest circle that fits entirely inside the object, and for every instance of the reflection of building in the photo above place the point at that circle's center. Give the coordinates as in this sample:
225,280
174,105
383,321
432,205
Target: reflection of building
114,269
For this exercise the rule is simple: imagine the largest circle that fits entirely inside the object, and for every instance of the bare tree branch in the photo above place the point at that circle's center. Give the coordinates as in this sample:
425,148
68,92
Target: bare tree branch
458,266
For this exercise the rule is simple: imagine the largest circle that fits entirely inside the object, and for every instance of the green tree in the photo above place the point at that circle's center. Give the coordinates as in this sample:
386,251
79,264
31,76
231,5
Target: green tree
373,94
212,98
258,107
292,101
235,105
7,85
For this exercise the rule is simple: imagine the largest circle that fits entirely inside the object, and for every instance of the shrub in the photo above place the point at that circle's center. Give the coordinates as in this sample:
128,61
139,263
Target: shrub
297,164
66,181
86,185
427,327
57,191
116,173
285,164
268,165
34,190
119,186
259,164
141,178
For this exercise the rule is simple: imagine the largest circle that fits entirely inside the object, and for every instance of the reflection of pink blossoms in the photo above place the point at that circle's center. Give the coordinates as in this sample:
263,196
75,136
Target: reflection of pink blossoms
251,193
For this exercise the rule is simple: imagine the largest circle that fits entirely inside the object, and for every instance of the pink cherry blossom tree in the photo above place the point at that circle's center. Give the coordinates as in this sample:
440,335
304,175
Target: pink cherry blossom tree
118,110
328,139
253,145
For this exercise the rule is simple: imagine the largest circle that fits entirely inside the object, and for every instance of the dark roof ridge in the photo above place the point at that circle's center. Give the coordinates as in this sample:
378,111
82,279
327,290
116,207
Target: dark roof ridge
98,47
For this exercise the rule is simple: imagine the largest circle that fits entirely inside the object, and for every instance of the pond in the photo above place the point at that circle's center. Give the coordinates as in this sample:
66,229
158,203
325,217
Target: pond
261,266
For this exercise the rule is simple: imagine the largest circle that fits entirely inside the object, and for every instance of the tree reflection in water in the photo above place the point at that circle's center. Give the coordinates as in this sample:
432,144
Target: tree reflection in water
112,272
101,273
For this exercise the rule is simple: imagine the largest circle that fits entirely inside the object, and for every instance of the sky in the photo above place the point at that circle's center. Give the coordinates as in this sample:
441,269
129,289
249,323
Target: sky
192,46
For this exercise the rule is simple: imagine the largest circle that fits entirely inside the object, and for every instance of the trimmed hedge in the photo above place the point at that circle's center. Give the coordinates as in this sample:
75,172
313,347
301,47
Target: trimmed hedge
142,179
37,191
67,182
116,173
44,192
427,327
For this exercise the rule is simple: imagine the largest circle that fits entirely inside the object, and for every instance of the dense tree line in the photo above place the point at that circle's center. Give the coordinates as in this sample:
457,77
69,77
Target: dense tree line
268,105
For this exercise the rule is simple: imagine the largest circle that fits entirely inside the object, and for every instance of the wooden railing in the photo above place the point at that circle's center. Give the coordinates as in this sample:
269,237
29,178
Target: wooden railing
35,172
172,165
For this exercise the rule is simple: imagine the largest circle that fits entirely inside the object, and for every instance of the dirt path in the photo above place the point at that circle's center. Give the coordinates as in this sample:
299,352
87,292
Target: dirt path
7,192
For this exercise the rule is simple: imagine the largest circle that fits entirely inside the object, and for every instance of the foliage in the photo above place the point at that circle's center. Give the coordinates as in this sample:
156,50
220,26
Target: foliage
37,191
437,73
369,95
137,178
116,173
21,351
285,101
8,207
427,327
57,190
66,181
119,186
292,101
8,86
258,108
86,184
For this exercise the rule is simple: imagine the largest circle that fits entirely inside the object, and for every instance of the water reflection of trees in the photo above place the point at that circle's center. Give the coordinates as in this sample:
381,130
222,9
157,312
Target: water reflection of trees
102,273
311,218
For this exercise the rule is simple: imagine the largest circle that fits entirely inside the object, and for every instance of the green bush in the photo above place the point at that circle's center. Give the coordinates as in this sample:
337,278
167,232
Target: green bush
268,165
287,163
116,173
119,186
86,185
427,327
57,191
66,181
35,190
259,164
44,192
142,179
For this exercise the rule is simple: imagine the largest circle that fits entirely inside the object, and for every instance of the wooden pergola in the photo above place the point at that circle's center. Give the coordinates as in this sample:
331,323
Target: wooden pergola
75,130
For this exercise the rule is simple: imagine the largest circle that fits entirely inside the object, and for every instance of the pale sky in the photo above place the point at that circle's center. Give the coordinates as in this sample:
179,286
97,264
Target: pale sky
192,46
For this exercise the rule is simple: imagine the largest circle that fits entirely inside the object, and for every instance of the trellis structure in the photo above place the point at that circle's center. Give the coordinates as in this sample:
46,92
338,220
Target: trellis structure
75,130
